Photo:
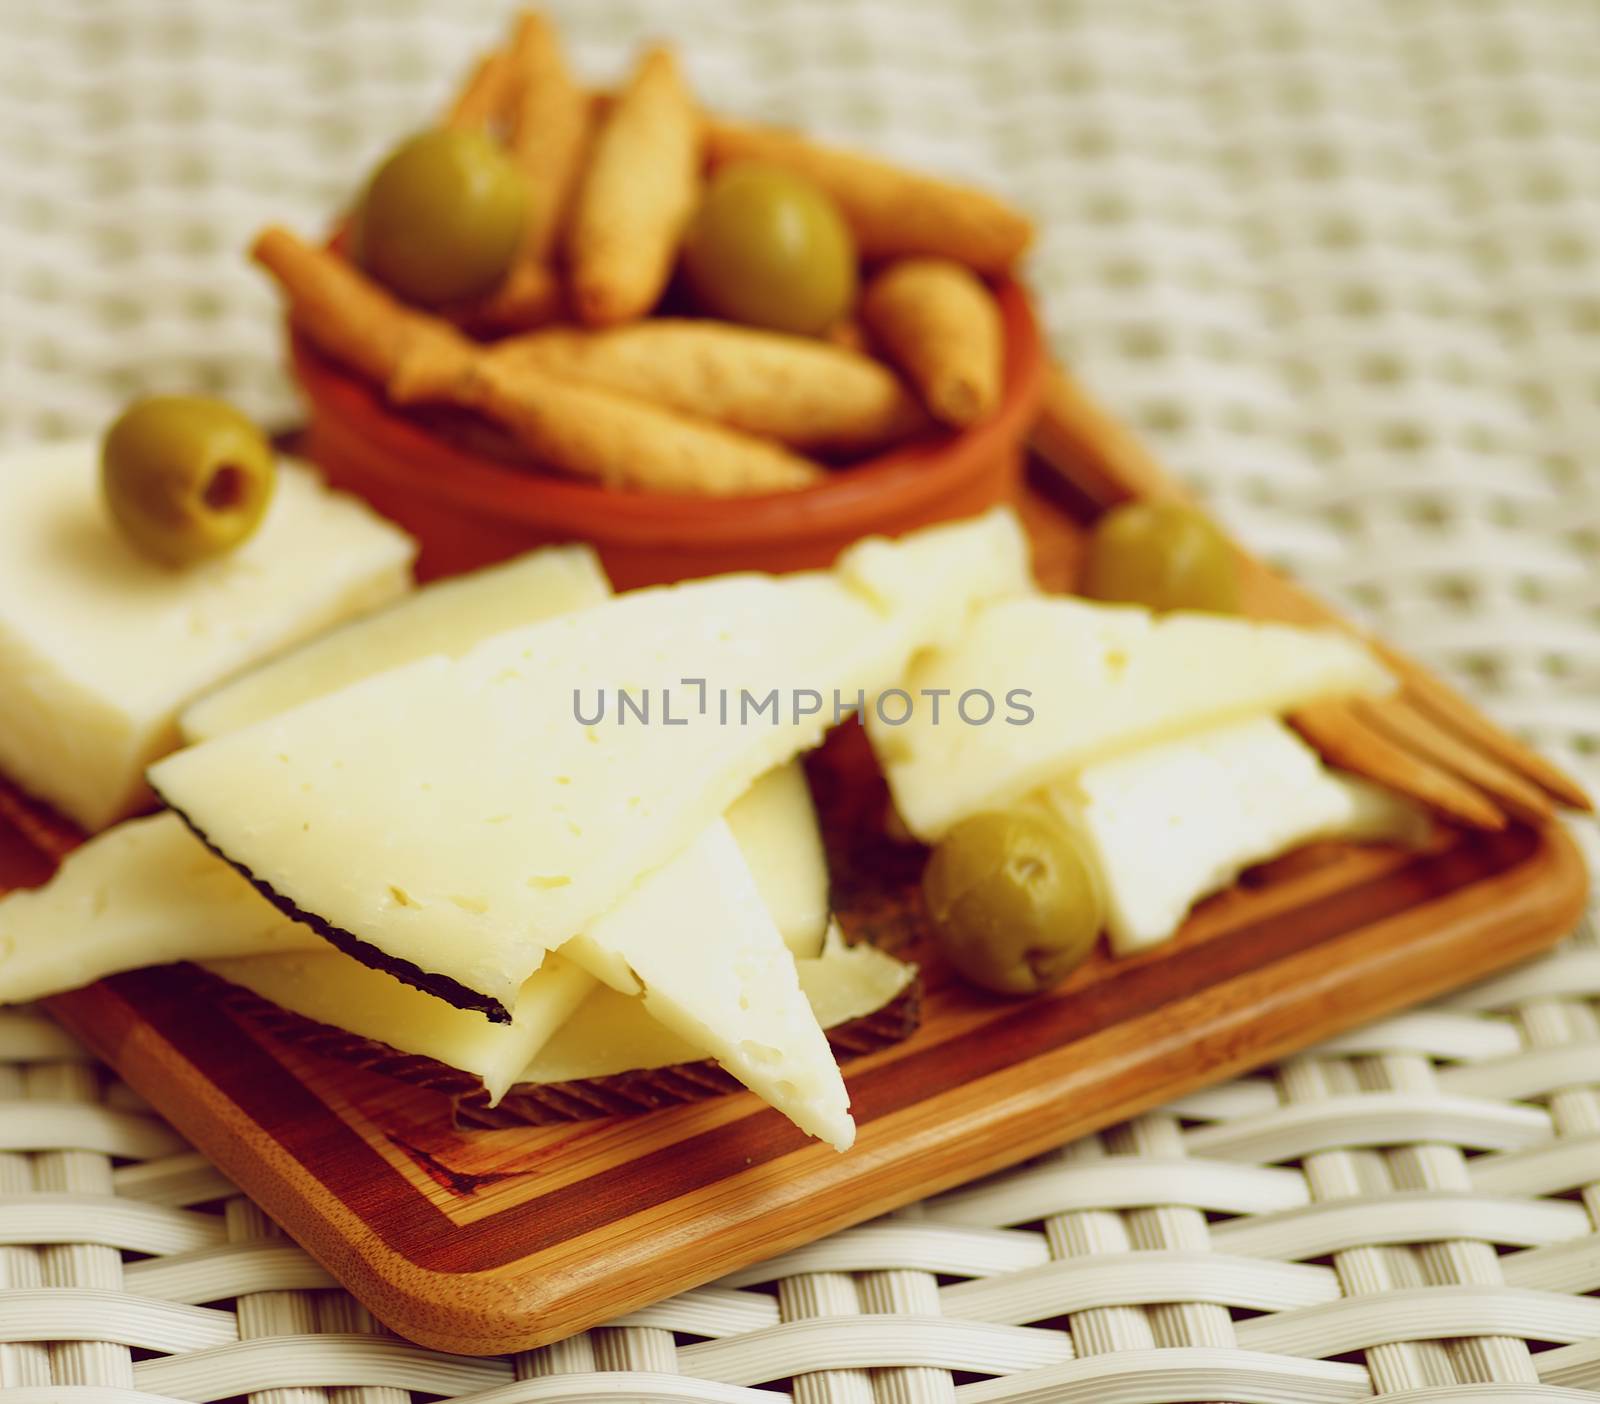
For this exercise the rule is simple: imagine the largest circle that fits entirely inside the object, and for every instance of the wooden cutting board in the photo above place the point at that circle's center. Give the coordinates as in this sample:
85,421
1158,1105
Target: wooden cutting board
490,1241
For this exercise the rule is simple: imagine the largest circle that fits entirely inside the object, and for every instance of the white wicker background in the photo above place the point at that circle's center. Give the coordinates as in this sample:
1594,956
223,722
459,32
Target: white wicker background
1340,261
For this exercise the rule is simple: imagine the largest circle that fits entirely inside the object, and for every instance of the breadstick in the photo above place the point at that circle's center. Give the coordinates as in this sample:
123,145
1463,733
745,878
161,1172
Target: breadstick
549,129
636,196
627,443
802,392
941,326
349,317
893,213
482,101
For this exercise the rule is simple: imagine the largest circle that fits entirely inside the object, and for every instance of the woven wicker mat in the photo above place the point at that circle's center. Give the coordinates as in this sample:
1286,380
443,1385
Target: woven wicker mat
1340,260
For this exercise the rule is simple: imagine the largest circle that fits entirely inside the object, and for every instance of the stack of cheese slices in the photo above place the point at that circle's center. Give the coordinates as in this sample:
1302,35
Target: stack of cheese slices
536,832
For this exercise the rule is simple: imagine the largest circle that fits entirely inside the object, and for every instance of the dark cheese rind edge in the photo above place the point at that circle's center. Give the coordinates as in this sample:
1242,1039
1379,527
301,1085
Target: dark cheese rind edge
552,1103
651,1089
440,986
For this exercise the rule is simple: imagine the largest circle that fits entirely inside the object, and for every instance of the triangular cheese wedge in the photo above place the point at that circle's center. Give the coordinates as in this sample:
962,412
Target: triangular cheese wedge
610,1033
607,1033
446,616
148,893
142,893
776,825
329,987
773,820
452,820
931,579
1071,682
696,943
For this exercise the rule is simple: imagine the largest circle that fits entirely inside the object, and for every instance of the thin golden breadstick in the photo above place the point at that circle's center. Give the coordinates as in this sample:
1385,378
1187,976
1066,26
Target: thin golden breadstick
549,131
627,443
802,392
893,213
636,197
483,99
346,315
1342,739
1423,737
942,327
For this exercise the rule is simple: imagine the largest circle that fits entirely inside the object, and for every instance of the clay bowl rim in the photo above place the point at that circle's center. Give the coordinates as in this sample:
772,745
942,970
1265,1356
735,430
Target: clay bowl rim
411,457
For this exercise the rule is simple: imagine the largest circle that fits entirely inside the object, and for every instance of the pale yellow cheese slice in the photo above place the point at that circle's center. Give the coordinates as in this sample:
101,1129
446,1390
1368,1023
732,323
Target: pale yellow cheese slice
606,1033
142,893
775,823
695,943
1071,683
931,579
609,1033
446,616
328,986
461,814
1172,822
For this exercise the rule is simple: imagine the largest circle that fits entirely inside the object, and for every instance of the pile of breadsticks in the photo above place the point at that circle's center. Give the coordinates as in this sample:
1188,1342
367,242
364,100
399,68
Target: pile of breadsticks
587,353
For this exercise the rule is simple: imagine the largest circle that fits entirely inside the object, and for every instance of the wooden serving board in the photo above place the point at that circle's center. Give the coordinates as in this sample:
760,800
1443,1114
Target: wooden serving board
490,1241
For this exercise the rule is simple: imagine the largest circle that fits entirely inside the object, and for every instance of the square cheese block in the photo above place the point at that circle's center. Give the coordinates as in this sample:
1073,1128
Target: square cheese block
101,648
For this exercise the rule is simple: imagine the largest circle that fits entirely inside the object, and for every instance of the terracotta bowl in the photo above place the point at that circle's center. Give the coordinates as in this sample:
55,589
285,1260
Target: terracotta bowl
468,504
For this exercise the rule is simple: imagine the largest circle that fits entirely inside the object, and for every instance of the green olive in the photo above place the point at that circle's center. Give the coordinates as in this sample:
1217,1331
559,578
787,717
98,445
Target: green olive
441,218
769,249
185,478
1163,556
1014,902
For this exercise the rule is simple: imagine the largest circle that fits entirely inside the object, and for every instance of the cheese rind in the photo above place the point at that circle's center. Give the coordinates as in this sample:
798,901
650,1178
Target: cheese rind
329,987
1173,822
711,975
606,1033
1098,680
447,617
142,893
100,648
775,824
337,807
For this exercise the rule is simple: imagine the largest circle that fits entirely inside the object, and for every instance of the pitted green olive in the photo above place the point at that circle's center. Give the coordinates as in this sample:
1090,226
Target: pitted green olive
441,218
769,249
1013,901
1162,556
185,478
